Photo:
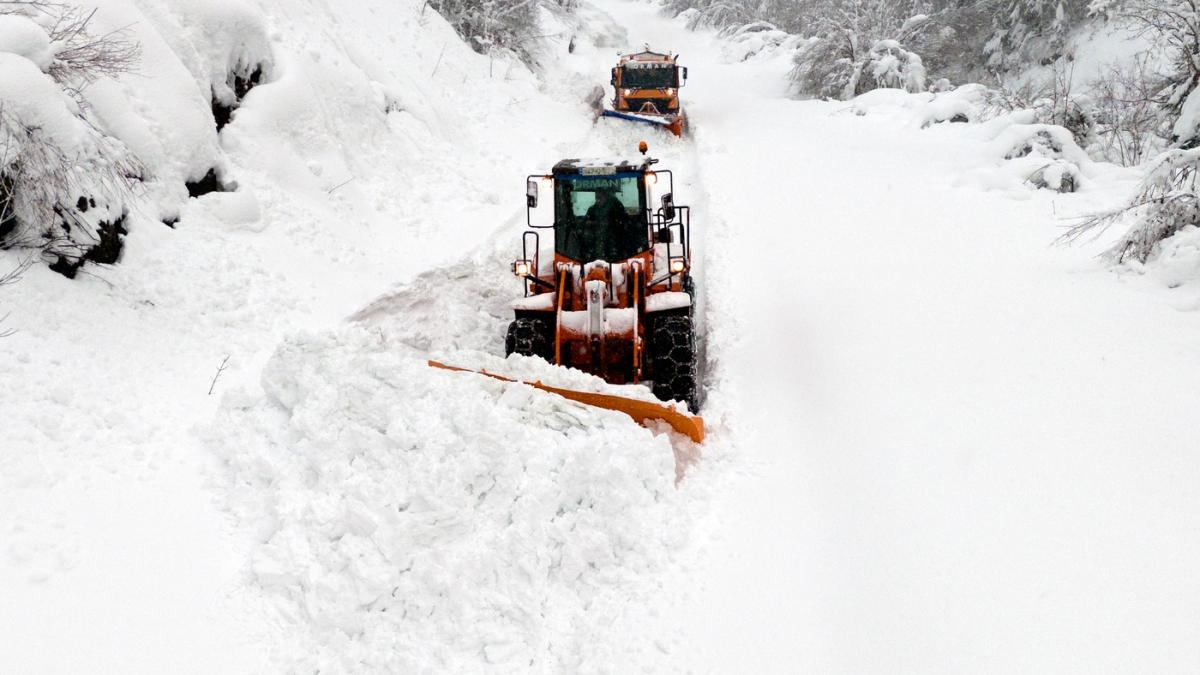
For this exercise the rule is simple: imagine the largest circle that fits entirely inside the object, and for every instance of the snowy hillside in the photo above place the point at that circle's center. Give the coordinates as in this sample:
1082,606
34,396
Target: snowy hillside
937,441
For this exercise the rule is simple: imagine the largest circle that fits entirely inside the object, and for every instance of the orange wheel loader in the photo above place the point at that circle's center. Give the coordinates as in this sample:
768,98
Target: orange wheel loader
612,292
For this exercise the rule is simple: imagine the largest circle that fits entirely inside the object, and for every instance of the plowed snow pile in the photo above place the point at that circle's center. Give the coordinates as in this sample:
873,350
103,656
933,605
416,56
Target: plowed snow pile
418,520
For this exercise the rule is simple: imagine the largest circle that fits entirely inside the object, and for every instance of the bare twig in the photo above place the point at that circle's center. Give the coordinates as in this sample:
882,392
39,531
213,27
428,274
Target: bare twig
9,278
220,369
339,186
439,60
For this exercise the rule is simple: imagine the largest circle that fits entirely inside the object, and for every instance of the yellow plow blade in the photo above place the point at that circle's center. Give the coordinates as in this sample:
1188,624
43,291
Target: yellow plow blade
691,426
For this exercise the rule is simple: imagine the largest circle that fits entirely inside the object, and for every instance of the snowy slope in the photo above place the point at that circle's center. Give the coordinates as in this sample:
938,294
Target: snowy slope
357,165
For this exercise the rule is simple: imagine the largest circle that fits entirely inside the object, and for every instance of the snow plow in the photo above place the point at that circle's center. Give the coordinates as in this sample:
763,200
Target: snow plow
646,90
612,292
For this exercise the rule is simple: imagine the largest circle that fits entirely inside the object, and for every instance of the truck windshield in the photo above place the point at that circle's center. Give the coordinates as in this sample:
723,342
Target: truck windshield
600,217
648,76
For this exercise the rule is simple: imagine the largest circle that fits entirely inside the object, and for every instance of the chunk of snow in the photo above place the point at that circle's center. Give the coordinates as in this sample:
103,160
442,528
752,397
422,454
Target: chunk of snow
21,36
36,101
539,302
1187,127
659,302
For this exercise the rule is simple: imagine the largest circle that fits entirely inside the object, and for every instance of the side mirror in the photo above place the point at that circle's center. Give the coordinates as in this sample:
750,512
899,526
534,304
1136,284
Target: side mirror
663,236
613,78
683,76
668,206
531,194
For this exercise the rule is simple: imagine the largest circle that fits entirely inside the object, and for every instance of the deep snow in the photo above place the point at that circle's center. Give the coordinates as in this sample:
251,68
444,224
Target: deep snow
939,444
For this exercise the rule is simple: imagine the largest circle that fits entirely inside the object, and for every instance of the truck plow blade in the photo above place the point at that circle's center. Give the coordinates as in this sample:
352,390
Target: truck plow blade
673,123
691,426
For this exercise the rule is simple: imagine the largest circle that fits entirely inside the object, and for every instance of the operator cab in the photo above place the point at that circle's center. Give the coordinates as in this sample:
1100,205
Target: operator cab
600,209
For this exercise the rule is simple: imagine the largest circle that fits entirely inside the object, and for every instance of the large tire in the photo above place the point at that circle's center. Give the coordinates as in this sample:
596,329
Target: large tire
673,358
530,337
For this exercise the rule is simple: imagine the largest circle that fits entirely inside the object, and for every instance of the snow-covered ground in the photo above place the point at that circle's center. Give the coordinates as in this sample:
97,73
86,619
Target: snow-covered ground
938,443
960,449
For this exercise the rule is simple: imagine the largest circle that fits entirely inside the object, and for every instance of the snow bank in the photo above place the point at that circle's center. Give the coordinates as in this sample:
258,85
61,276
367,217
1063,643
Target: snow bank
1016,151
416,520
222,39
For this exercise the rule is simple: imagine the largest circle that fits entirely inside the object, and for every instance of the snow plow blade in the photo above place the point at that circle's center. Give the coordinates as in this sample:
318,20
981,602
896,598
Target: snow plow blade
673,123
641,411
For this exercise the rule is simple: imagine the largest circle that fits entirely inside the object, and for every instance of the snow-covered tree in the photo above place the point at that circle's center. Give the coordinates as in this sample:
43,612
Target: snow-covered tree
494,25
860,48
1032,32
1175,26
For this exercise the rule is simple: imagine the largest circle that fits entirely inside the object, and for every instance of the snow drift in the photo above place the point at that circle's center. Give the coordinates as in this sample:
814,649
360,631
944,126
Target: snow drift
416,520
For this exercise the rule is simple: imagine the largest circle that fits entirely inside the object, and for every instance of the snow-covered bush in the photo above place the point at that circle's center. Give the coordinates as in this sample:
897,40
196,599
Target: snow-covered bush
837,67
890,66
1129,124
65,186
742,42
1167,203
1045,154
1051,101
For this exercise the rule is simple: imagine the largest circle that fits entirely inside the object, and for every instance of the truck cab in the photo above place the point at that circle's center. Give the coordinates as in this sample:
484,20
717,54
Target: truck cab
648,83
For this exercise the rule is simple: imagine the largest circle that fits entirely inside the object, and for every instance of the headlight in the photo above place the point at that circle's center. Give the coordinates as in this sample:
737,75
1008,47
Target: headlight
678,266
670,92
522,268
627,92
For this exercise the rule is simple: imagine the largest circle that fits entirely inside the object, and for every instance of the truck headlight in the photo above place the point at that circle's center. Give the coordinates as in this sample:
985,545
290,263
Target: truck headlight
522,268
678,265
627,92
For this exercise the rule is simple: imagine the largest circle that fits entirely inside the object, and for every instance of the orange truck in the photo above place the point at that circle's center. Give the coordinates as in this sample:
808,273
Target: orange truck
646,90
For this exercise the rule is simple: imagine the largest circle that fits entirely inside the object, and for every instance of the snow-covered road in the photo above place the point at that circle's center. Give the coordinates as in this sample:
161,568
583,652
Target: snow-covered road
959,449
939,444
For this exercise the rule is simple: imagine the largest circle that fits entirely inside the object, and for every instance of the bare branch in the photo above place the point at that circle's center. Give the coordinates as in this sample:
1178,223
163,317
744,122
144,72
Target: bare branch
220,369
9,278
